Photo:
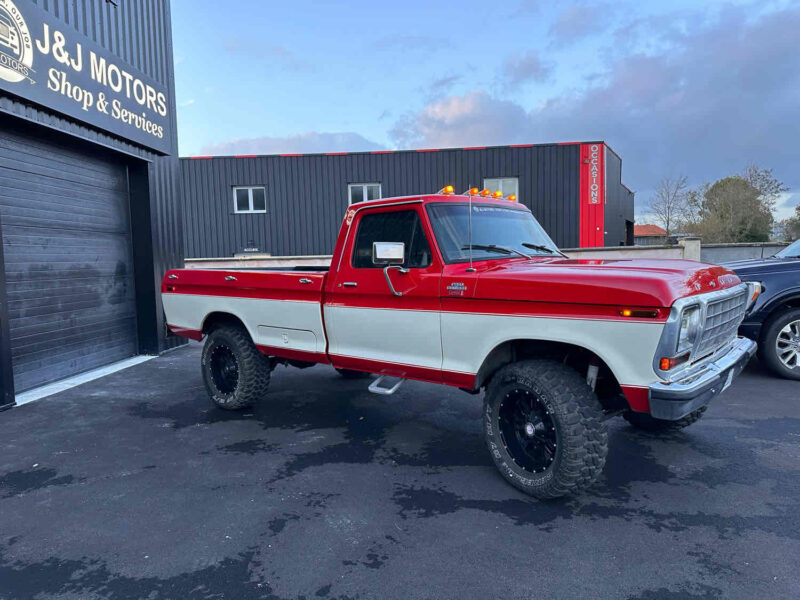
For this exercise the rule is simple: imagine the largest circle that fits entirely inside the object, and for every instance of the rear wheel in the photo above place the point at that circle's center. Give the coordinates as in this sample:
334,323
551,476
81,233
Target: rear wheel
544,428
779,347
650,423
235,373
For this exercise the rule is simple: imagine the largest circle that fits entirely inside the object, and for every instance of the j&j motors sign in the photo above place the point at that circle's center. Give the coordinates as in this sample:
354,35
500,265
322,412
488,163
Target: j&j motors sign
45,61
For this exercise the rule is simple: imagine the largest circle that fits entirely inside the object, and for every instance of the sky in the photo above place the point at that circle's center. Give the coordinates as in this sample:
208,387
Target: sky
684,87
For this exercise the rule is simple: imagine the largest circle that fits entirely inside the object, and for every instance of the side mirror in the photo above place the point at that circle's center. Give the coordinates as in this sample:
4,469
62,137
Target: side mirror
388,253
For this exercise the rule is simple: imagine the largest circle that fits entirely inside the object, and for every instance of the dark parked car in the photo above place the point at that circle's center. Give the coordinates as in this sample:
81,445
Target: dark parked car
774,319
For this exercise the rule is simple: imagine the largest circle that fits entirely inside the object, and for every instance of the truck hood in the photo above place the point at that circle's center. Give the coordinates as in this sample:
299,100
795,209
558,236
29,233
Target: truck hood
750,269
623,282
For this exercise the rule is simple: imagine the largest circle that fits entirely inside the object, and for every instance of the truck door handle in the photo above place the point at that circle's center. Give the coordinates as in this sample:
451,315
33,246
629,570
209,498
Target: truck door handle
172,276
350,284
389,281
230,278
305,280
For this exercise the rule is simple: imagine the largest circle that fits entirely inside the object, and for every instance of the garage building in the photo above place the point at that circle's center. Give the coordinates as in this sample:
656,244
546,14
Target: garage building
89,185
293,204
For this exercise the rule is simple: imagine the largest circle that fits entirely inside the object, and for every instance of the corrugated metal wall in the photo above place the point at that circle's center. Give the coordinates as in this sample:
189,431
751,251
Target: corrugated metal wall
139,33
307,195
619,202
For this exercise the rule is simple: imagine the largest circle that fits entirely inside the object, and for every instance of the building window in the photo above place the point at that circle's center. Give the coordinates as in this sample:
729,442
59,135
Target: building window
249,200
506,185
358,192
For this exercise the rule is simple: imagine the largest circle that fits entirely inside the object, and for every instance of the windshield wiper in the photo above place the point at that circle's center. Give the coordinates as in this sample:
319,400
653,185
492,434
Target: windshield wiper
542,248
495,248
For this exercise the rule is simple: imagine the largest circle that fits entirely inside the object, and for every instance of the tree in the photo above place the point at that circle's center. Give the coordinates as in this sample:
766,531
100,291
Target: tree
733,210
766,183
670,206
790,228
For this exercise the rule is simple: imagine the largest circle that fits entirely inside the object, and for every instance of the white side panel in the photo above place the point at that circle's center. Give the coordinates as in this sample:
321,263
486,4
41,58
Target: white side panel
189,311
409,337
627,347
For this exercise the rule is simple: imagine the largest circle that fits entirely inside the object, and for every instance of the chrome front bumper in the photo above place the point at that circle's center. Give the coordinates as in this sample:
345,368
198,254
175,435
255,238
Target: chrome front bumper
674,400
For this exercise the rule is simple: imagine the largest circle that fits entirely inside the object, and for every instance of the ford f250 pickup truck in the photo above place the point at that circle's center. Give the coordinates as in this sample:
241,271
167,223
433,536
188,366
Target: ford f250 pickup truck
469,291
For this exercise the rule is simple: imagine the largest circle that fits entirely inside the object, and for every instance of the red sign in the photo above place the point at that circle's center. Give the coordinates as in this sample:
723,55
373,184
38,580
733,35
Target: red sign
592,195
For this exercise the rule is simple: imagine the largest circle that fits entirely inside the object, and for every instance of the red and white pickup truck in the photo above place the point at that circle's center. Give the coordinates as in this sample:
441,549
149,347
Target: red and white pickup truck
471,292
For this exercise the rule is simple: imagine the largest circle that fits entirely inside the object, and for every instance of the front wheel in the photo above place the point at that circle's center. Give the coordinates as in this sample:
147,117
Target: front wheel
779,347
544,428
235,373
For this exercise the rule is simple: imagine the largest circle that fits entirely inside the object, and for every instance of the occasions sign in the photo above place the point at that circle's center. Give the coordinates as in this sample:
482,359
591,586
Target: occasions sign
51,64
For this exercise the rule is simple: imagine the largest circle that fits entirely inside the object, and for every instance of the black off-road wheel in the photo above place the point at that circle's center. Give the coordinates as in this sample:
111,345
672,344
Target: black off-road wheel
649,423
235,373
779,346
544,428
351,374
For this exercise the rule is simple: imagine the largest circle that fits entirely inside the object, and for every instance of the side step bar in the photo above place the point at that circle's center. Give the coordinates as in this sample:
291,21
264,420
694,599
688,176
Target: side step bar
376,388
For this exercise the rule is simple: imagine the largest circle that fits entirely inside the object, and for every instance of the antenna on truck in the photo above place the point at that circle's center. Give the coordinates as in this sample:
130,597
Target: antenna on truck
470,192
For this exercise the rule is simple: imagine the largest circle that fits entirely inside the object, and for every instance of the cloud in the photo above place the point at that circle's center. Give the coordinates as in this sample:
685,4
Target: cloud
186,103
524,67
579,21
726,93
457,119
310,142
442,85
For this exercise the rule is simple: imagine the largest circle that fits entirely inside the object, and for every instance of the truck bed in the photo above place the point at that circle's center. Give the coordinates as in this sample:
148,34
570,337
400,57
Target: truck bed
280,308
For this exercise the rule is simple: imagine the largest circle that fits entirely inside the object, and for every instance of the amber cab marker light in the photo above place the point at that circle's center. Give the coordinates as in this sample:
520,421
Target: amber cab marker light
486,192
473,191
512,198
497,194
638,314
448,190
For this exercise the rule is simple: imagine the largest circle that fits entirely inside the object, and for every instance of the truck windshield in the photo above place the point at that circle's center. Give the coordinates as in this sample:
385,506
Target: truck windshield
792,250
497,232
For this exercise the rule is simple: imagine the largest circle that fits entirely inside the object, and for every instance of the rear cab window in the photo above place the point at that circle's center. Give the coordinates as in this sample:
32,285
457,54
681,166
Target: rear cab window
394,226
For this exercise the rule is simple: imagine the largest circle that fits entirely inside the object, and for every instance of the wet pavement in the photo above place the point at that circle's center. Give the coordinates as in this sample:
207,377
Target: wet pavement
135,486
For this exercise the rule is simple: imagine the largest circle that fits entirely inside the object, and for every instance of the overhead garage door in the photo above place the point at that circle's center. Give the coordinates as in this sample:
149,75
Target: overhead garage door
69,269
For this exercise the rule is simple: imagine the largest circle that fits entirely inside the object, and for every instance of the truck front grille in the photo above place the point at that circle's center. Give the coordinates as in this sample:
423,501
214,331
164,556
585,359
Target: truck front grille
723,317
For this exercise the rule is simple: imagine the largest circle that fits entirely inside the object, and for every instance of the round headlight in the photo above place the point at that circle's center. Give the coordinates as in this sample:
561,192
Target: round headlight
690,329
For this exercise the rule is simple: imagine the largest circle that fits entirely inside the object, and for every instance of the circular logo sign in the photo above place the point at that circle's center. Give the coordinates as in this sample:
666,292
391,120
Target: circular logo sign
16,44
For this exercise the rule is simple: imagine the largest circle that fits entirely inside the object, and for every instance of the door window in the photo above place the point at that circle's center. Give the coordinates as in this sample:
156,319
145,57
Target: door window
396,226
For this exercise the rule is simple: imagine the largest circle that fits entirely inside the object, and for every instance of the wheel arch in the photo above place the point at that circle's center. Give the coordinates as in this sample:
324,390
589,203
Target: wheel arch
788,299
577,356
221,318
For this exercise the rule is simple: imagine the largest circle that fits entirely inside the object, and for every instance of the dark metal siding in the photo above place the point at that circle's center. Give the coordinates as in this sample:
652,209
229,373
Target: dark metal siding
68,261
307,195
619,202
139,33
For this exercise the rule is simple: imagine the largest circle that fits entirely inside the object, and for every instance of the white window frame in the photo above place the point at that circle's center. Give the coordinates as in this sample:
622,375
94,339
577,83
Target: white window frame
249,189
487,185
363,187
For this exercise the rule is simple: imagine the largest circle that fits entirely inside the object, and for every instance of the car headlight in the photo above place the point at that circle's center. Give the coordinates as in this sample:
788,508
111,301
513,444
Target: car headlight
690,329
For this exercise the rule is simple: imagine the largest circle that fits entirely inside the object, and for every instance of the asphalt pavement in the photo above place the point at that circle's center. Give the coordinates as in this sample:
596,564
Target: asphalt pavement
135,486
